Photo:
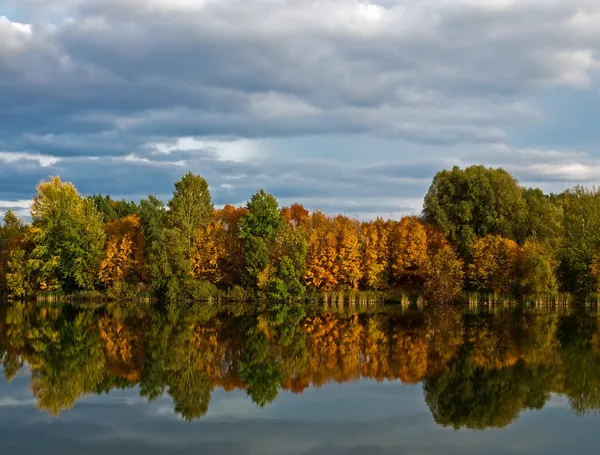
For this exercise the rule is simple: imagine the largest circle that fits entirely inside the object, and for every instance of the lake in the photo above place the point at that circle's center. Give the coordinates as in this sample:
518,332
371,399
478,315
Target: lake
231,380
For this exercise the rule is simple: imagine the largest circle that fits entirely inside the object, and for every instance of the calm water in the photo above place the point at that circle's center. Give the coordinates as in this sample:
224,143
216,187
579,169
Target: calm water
382,381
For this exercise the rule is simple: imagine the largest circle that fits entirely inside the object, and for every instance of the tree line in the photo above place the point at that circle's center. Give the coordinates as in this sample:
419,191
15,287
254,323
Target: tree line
477,370
479,230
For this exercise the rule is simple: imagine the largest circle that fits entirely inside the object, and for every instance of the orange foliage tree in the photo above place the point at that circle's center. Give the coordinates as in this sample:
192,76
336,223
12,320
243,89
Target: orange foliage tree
124,256
408,250
348,252
209,252
232,259
321,259
296,215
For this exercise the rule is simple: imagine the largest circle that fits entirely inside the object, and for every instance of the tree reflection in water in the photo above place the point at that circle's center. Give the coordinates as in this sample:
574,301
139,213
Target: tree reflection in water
478,370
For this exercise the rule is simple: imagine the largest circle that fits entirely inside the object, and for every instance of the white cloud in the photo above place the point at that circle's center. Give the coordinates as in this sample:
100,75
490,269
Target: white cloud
43,160
14,36
12,204
226,150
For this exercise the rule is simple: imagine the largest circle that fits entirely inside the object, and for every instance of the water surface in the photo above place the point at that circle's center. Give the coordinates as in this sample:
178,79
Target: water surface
199,379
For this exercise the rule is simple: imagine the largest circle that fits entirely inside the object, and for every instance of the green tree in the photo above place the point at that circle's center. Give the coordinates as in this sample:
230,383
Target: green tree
290,265
190,207
263,219
544,222
473,202
152,217
537,269
169,269
259,229
581,238
112,210
67,237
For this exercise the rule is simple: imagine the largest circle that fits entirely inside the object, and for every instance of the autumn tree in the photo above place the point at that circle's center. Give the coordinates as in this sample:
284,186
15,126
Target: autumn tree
445,276
209,251
123,263
321,261
408,250
374,238
295,215
67,236
12,231
232,260
495,262
349,271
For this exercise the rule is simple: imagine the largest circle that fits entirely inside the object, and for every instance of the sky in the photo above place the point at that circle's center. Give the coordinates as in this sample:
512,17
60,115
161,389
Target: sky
345,106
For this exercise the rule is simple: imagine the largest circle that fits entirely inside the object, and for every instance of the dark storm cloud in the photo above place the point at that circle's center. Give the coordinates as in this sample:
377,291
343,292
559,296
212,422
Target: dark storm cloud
111,79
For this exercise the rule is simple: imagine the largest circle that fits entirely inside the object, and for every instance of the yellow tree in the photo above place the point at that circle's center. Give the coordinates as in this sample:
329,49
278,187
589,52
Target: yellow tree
348,252
495,262
124,256
374,252
408,250
117,262
209,251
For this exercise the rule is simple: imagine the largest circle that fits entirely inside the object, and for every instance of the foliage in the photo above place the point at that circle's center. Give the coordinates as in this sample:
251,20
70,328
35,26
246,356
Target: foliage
190,208
477,223
495,262
349,271
321,257
259,229
12,231
67,235
474,202
375,253
112,210
123,261
544,222
537,269
581,238
408,250
445,276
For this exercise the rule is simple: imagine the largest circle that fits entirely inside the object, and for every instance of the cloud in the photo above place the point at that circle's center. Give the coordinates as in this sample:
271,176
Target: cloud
123,97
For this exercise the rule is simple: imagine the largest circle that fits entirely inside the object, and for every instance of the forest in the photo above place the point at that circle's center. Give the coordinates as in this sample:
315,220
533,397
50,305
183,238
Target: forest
479,230
477,369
